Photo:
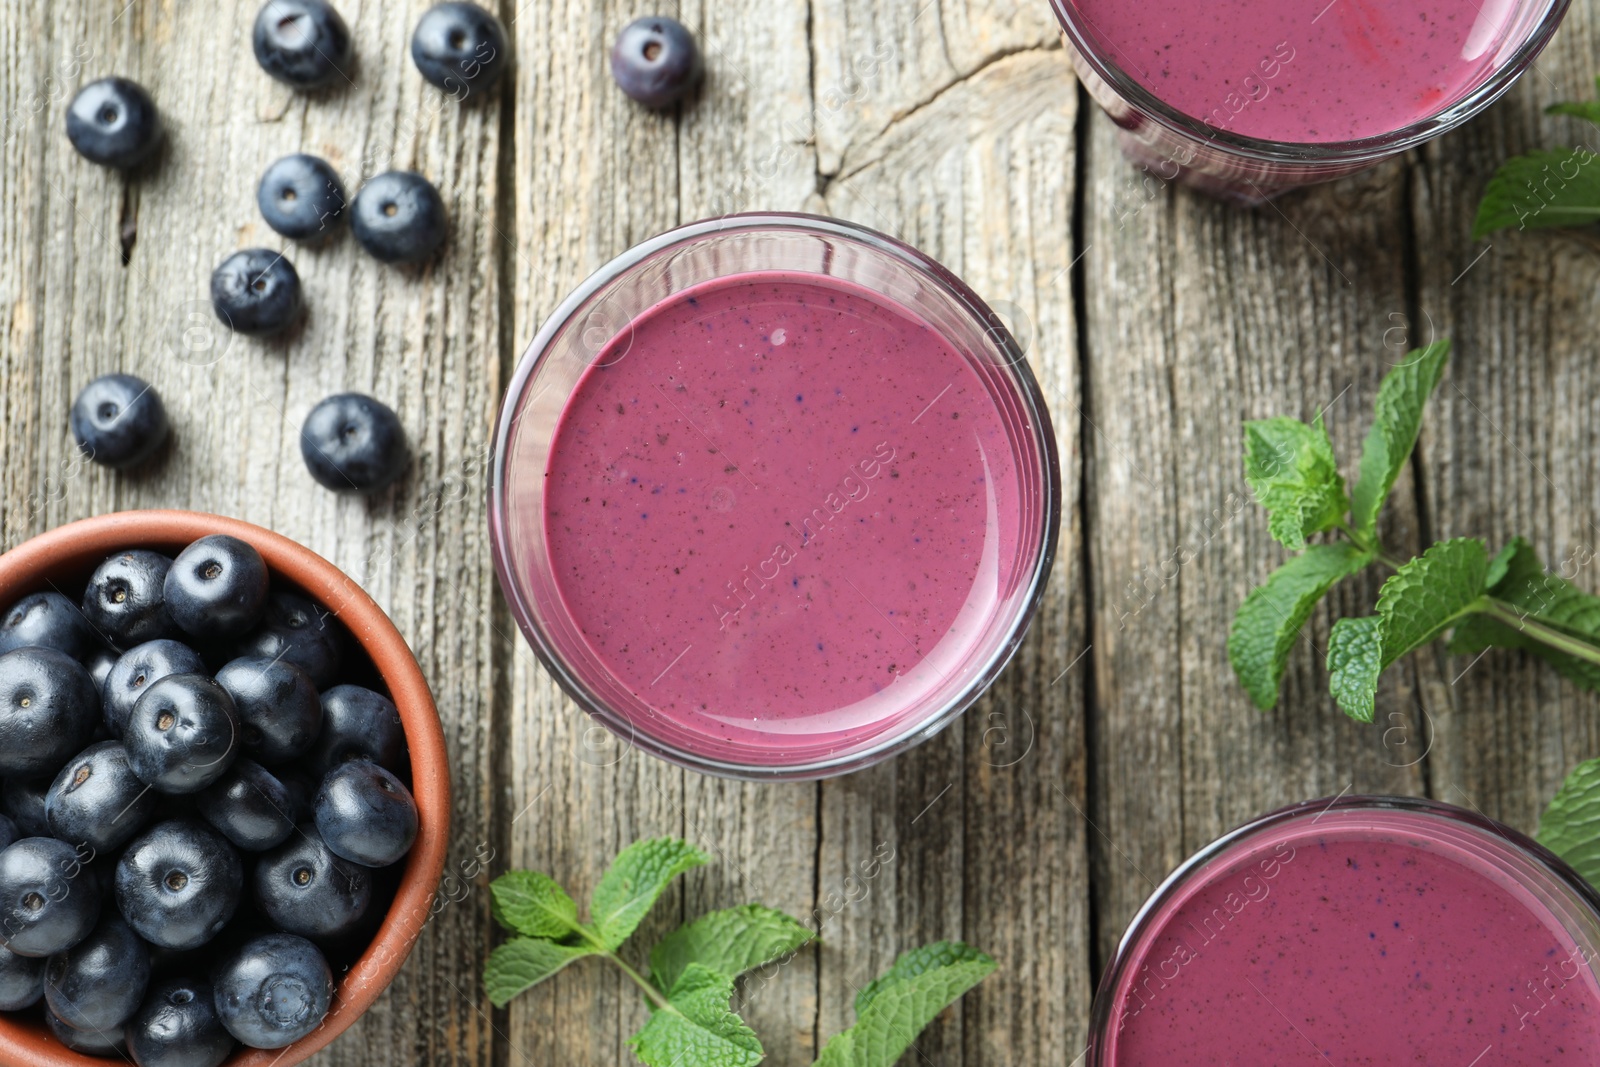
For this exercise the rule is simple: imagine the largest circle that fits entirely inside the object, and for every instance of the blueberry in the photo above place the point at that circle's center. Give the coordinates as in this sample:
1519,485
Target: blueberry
459,47
48,901
183,734
358,723
365,814
179,883
249,806
8,835
124,602
656,61
217,587
399,218
302,887
99,982
87,1042
280,714
96,801
21,981
178,1026
136,670
48,709
99,663
274,990
303,43
114,122
296,630
23,800
257,292
47,620
301,197
353,443
119,421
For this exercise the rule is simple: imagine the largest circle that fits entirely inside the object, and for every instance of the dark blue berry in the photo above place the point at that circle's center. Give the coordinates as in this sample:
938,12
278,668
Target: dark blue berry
123,601
8,834
274,990
353,443
358,724
99,663
303,43
99,982
302,887
97,801
177,1026
301,197
21,981
48,900
365,814
22,799
183,734
48,709
217,587
103,1043
296,630
114,122
656,61
249,806
48,620
399,218
179,883
460,47
136,670
119,421
280,714
257,292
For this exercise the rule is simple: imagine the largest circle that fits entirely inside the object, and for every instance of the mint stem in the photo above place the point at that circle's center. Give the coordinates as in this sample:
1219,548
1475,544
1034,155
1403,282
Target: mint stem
651,993
1572,646
1371,546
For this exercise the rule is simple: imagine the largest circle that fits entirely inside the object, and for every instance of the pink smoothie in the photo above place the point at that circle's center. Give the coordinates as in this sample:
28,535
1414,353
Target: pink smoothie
779,507
1360,939
1306,71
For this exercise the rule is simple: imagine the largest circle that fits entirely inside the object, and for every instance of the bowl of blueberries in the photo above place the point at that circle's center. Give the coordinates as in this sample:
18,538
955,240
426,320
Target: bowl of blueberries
224,796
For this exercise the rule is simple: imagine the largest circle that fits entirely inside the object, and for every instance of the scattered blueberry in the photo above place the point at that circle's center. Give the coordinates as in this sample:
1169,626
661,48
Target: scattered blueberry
99,982
273,991
217,587
136,670
21,981
123,601
301,197
119,421
178,1026
303,43
656,61
353,442
47,620
48,903
296,630
88,1042
399,218
114,122
97,801
280,714
303,888
22,799
358,723
257,291
365,814
48,709
249,806
459,47
179,883
183,734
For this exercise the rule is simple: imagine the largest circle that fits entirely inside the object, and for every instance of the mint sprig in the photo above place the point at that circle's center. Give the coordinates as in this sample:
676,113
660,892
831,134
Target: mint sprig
693,970
1505,602
1546,188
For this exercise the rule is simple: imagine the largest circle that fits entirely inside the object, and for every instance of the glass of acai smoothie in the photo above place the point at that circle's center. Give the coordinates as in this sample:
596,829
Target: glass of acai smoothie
1372,930
1249,97
774,496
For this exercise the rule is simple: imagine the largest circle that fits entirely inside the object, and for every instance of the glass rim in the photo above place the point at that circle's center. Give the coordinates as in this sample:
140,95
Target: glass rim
1266,150
1015,369
1101,1016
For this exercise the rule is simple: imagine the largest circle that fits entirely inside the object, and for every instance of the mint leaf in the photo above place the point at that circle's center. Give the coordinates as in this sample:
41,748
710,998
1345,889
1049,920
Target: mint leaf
1398,410
1588,110
727,942
894,1009
695,1028
1570,827
1291,470
533,904
1270,620
1545,189
635,880
1523,586
1355,659
524,962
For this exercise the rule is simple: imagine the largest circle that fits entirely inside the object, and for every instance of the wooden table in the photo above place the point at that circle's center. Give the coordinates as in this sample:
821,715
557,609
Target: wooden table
1117,743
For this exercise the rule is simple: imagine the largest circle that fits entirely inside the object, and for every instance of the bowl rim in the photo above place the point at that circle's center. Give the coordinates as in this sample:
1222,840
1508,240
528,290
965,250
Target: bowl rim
77,546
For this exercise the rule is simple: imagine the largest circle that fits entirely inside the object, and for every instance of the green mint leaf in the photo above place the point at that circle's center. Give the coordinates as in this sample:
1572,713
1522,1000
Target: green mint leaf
1570,826
1269,621
1545,189
636,879
1291,470
1398,421
1588,110
1520,582
894,1009
695,1028
1355,659
727,942
1500,566
524,962
532,904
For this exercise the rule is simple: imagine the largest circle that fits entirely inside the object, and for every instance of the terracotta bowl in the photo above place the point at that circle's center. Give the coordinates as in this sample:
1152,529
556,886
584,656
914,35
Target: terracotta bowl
69,554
